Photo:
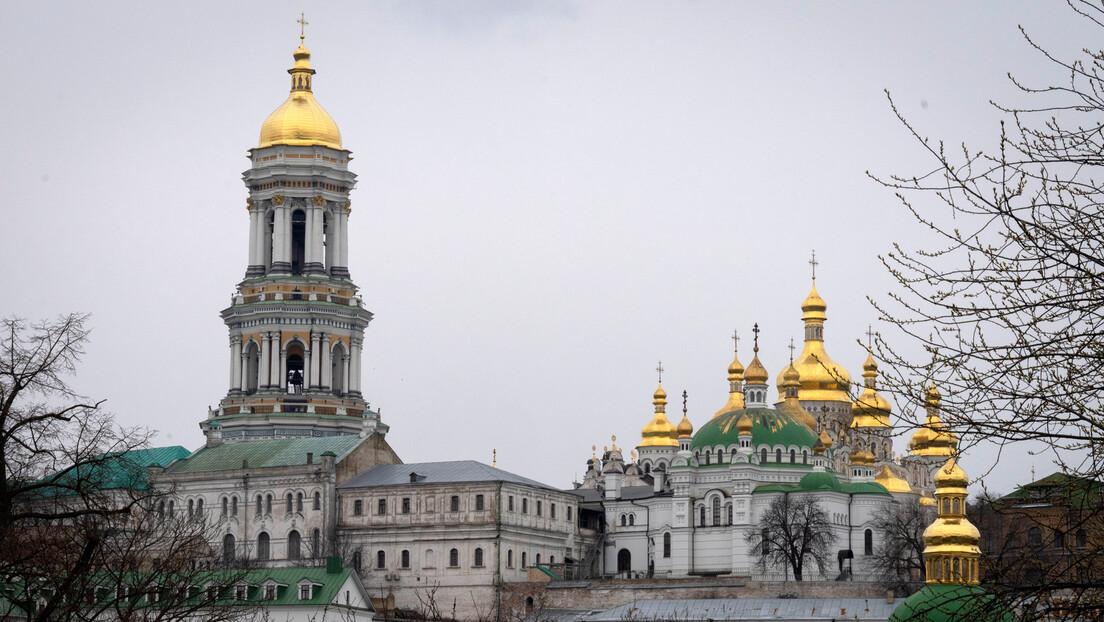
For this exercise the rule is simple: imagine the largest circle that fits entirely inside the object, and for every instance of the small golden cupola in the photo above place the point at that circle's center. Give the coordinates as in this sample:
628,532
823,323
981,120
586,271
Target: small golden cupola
744,425
870,410
889,480
821,378
659,432
300,120
933,438
735,382
788,390
951,550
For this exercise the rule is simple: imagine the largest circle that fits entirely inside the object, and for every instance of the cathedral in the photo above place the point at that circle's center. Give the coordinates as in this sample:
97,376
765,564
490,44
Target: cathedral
684,502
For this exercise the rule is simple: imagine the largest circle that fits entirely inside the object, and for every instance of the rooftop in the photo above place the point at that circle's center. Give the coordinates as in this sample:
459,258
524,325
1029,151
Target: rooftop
458,471
273,453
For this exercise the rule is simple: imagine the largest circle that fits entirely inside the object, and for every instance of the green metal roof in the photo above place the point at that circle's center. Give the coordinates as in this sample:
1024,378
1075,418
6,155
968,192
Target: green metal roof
115,471
326,585
769,427
820,480
943,603
866,488
271,453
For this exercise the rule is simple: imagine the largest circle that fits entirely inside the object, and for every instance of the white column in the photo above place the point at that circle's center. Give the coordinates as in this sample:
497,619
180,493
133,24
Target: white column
279,233
254,253
308,377
235,361
287,232
266,358
283,368
244,373
347,369
354,362
316,360
316,255
274,364
308,237
327,366
343,239
329,239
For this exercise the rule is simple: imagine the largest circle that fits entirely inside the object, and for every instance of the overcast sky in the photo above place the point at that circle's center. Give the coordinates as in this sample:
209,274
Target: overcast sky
552,196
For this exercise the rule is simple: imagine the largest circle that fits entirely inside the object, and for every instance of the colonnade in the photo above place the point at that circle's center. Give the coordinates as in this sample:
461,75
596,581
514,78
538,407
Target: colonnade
322,249
269,370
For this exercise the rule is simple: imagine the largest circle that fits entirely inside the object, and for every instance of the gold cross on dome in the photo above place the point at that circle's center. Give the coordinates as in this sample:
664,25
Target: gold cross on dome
684,402
869,335
735,341
302,21
791,349
755,330
659,368
813,262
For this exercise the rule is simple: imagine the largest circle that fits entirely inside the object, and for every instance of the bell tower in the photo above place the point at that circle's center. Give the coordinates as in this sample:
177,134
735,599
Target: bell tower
296,323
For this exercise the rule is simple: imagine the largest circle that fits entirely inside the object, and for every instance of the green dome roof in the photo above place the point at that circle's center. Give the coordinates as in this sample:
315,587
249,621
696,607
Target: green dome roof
819,480
769,426
944,603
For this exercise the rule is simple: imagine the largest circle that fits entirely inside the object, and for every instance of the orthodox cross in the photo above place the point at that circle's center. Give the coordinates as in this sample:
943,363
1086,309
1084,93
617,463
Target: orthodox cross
302,21
684,402
791,350
869,336
814,264
659,368
755,330
735,341
494,458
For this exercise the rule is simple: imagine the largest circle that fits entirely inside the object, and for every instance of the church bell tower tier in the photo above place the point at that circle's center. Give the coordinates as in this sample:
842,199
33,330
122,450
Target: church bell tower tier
296,322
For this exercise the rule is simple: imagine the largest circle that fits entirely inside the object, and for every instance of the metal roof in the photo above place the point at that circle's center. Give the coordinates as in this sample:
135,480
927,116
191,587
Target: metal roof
627,492
437,473
733,609
279,452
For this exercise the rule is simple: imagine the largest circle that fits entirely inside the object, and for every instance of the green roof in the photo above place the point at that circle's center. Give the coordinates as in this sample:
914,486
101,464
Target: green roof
866,488
944,603
115,471
327,585
1060,489
269,453
820,480
769,427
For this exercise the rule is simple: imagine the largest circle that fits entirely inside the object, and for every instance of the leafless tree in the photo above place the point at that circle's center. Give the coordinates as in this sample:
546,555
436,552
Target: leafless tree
82,533
793,532
1008,303
899,559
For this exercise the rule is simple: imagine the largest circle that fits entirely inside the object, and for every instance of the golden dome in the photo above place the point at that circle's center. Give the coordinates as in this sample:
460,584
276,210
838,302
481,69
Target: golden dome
951,477
870,410
821,377
862,458
951,542
744,424
814,306
788,390
933,439
756,373
887,478
818,447
927,502
736,368
659,432
685,428
735,395
827,440
300,120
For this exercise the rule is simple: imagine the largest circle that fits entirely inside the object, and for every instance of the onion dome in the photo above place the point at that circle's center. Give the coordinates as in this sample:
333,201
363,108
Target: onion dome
791,384
933,439
862,457
821,377
825,439
744,424
300,120
818,447
659,432
756,373
887,478
735,390
951,478
870,410
685,428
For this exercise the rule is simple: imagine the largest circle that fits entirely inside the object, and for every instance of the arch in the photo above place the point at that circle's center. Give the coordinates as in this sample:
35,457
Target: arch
404,559
536,560
225,507
263,546
632,519
716,511
430,558
290,503
295,357
778,456
252,354
720,456
667,544
339,366
729,506
868,542
234,505
294,544
701,514
793,456
357,561
954,505
763,456
624,520
804,456
268,504
477,558
454,558
510,558
647,468
299,502
707,456
381,559
228,546
624,561
317,501
269,241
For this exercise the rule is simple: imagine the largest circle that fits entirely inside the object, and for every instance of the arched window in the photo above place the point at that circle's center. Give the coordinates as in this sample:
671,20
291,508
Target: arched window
538,559
294,544
1034,536
316,543
234,505
317,501
225,506
624,520
720,456
478,557
268,504
339,360
716,511
381,560
228,548
252,366
1080,539
290,503
259,508
510,558
793,456
804,456
299,502
454,558
666,545
778,456
161,509
701,516
729,506
707,456
298,241
763,455
632,519
523,565
191,508
624,561
551,559
430,559
954,506
647,468
404,559
357,561
263,551
868,542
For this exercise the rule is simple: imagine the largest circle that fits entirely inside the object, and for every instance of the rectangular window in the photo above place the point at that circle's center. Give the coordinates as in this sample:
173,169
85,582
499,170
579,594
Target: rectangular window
454,503
358,507
524,506
454,558
305,591
538,508
406,505
212,592
552,510
405,559
270,592
569,512
240,592
382,506
479,503
510,503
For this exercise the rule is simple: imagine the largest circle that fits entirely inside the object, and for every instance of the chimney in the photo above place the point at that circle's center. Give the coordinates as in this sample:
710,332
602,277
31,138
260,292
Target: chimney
214,434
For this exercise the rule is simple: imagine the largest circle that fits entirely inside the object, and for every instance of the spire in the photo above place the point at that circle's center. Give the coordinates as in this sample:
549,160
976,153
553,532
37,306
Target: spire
951,550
